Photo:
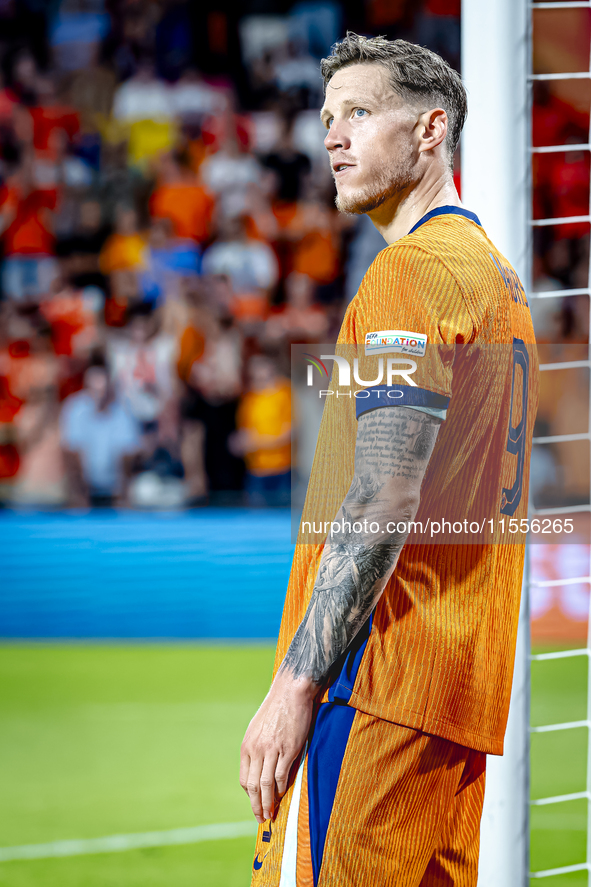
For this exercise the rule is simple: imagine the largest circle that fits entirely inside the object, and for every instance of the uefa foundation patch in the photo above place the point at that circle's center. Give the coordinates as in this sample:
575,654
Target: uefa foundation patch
397,341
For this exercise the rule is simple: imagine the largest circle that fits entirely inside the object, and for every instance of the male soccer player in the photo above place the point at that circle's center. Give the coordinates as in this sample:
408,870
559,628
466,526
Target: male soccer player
365,763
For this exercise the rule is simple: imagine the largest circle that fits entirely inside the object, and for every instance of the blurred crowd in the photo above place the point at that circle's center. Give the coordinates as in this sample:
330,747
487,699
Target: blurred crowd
560,190
168,231
560,471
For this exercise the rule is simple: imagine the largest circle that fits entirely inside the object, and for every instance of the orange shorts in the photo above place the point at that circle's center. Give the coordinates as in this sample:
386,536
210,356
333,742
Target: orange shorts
375,804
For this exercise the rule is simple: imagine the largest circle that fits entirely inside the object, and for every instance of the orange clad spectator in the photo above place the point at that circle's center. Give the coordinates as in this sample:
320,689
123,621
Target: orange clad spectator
264,432
285,213
316,252
317,256
196,153
299,319
180,198
125,248
28,232
73,316
191,348
25,218
261,221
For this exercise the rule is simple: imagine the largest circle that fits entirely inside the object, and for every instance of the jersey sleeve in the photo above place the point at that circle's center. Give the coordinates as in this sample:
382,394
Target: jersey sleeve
406,321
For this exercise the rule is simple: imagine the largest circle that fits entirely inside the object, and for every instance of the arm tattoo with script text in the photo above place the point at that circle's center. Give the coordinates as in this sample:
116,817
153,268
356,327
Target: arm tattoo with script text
392,452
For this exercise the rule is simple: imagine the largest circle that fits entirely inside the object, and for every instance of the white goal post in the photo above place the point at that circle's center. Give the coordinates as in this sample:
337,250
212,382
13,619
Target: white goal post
496,186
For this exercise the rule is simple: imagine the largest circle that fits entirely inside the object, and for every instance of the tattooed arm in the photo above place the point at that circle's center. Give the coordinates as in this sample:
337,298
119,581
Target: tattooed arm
391,455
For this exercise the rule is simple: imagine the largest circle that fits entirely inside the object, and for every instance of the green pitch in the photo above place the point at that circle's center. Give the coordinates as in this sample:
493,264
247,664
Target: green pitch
115,739
558,767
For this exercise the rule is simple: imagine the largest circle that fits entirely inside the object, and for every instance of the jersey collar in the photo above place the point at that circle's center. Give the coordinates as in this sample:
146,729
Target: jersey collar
446,211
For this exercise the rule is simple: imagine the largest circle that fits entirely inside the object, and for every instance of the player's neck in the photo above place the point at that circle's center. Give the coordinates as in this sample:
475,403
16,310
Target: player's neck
395,218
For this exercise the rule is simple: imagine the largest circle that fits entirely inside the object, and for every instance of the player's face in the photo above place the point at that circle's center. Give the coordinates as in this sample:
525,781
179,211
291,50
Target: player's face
370,138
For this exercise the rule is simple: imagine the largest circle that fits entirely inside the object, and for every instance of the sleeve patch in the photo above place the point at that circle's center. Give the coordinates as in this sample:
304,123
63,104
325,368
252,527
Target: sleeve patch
397,341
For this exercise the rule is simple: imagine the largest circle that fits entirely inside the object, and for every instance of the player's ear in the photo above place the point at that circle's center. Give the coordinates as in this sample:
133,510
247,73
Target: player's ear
433,129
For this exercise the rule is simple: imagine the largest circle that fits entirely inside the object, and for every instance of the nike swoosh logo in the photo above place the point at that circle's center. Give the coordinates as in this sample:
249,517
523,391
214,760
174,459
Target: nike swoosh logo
258,863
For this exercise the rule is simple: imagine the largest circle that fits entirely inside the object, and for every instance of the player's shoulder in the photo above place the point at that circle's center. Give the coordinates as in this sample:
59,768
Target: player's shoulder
432,263
448,254
458,241
444,275
449,239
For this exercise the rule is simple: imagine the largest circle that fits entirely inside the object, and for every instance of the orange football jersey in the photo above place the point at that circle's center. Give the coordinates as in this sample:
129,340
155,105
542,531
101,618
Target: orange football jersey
437,655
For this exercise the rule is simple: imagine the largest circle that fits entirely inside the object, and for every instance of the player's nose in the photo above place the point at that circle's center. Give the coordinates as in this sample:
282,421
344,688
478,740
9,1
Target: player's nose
336,137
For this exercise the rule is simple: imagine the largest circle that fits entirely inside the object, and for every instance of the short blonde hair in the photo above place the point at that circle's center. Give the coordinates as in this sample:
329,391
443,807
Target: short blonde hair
417,75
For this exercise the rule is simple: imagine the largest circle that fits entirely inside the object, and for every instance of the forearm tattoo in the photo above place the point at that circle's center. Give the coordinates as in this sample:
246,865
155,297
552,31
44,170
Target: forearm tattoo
392,452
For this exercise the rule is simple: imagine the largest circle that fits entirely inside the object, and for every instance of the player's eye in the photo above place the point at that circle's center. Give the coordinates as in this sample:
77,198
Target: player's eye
359,112
329,122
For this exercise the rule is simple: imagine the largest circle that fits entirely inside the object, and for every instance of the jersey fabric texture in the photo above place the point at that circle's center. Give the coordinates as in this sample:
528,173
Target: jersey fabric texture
391,785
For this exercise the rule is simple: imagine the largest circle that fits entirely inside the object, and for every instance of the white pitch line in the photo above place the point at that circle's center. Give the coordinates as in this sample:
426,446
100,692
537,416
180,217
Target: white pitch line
119,843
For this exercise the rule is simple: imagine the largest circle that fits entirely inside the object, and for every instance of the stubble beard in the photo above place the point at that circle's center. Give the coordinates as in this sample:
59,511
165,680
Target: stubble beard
386,183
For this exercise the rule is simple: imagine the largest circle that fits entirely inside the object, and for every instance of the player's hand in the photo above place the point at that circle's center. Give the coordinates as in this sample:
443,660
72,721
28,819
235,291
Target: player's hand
273,741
